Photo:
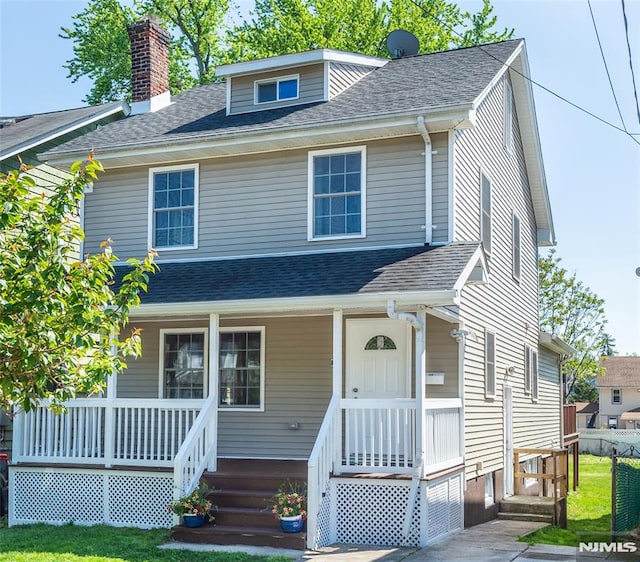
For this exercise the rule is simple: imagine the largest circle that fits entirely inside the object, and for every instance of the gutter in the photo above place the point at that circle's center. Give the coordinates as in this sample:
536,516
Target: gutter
428,180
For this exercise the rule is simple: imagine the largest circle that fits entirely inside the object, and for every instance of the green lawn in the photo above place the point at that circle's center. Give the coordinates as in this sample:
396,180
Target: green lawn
589,508
45,543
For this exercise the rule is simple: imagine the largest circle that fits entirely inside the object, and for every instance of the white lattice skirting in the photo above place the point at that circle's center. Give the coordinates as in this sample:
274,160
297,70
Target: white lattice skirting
89,497
372,511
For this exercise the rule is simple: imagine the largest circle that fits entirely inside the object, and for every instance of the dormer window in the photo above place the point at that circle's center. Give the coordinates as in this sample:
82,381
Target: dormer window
276,89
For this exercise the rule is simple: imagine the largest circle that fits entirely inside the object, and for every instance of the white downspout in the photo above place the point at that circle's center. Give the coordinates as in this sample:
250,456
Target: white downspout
428,181
418,322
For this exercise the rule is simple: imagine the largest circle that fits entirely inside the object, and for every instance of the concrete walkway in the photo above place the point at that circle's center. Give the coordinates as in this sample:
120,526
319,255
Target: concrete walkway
496,541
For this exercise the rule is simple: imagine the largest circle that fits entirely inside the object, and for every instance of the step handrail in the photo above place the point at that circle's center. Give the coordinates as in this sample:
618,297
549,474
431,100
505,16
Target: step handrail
321,464
198,450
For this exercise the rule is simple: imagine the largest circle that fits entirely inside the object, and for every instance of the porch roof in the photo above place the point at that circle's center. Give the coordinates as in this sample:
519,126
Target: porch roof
391,270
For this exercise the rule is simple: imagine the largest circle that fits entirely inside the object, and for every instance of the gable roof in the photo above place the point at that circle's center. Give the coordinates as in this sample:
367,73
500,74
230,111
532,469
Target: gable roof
19,134
619,372
419,85
360,276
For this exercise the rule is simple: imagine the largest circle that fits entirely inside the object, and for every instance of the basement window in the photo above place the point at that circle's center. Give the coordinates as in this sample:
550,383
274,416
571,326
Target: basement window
276,89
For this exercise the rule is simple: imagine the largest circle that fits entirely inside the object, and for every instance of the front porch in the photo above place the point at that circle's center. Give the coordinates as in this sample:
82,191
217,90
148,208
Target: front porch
324,398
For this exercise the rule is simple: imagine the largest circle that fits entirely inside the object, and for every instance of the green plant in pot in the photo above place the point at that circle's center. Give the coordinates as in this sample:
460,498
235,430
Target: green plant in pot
195,508
290,506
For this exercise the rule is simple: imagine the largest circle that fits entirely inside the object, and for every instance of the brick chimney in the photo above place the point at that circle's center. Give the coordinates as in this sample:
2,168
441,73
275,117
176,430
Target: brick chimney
149,65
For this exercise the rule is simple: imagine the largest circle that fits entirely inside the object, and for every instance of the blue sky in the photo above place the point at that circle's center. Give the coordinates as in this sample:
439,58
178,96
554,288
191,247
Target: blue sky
593,171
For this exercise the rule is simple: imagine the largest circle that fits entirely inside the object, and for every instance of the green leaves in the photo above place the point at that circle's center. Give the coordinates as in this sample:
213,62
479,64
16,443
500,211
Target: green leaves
570,310
60,320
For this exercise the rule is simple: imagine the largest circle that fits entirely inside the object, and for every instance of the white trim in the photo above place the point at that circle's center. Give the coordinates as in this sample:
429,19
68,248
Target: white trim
362,149
507,129
487,247
476,271
32,143
556,344
326,90
263,339
228,95
151,205
298,59
152,104
377,301
505,67
338,352
205,367
276,80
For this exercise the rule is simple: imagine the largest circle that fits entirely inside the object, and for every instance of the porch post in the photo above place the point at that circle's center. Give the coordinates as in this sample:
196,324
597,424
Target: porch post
110,418
337,382
421,385
214,355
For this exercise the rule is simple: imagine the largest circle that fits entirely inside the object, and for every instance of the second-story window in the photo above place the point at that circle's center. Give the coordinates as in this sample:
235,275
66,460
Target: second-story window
485,212
616,396
276,89
173,207
337,193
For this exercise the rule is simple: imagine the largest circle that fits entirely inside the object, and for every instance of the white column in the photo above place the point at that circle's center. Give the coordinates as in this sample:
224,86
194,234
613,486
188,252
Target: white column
421,380
214,386
110,418
338,352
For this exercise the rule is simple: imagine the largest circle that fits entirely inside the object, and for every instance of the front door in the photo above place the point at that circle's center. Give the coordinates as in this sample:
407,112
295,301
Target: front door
378,432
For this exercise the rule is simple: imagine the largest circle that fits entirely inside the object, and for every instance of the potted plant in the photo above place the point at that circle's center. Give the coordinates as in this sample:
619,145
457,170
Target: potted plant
194,508
290,506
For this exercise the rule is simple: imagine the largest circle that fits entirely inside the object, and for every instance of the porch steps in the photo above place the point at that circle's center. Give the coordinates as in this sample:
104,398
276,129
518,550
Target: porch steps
527,508
243,491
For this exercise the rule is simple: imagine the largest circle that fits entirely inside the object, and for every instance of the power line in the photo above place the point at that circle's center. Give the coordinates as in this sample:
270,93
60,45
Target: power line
633,76
604,60
531,80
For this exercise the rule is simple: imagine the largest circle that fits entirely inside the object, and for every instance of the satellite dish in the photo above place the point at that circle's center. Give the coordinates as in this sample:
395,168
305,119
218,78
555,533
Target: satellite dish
402,43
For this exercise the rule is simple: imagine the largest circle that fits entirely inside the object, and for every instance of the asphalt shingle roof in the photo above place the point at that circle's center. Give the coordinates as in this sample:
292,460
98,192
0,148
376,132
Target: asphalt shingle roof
31,128
321,274
421,83
619,372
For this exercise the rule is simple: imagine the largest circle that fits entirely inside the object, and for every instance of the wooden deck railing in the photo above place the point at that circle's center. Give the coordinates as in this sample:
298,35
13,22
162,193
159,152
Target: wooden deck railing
552,481
569,415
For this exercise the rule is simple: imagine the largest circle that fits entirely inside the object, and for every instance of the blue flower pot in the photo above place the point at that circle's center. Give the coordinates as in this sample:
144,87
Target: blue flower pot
192,520
291,524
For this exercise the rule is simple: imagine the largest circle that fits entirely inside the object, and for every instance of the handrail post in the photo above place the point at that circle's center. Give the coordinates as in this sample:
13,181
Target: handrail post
18,436
109,422
337,385
214,357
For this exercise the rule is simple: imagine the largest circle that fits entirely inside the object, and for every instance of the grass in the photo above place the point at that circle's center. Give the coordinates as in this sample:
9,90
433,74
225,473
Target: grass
588,508
69,543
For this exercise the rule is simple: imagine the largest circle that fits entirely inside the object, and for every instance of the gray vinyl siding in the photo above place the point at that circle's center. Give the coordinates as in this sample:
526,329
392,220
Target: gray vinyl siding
259,205
442,357
504,305
440,188
342,76
310,88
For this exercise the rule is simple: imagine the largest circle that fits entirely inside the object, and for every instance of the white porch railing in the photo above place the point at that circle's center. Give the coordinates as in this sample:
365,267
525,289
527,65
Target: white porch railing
110,432
198,451
442,423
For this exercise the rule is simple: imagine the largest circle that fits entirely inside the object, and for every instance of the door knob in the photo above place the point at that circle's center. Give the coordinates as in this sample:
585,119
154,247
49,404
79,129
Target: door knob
355,389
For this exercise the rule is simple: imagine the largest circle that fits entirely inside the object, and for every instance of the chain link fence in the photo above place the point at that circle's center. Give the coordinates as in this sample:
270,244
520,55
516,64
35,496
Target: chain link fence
625,491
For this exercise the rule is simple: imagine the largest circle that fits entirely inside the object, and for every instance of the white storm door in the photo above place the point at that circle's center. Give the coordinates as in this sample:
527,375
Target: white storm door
377,432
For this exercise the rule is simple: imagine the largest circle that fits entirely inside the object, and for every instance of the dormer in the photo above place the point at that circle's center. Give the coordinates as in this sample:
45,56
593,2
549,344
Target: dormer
296,79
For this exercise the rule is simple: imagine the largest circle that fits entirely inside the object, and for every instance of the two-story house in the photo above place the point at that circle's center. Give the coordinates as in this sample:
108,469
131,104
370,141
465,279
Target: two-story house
619,392
347,294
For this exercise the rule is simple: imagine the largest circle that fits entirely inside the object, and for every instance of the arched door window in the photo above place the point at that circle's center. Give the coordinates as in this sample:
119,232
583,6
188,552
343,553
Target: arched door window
377,343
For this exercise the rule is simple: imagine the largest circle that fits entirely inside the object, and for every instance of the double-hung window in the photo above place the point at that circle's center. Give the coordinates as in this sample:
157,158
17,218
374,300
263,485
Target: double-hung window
276,89
489,364
337,193
183,363
173,207
485,212
531,371
242,368
616,396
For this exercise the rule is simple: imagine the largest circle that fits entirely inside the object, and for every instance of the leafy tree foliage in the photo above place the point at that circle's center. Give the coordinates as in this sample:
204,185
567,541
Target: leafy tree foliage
202,38
573,312
289,26
60,319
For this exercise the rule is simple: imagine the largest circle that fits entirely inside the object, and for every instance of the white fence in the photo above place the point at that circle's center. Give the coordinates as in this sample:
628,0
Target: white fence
602,441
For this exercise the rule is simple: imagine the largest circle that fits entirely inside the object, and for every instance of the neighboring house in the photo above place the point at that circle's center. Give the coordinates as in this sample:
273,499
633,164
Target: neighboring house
348,293
619,391
23,138
587,415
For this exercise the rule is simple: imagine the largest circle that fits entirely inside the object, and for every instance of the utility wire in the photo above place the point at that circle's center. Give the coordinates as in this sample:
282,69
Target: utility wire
630,135
604,60
633,76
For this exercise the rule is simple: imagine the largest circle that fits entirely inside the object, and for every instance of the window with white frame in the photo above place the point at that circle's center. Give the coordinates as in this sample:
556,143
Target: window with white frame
337,193
616,396
489,364
242,368
485,212
531,467
508,115
488,490
516,253
531,371
276,89
173,207
183,363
